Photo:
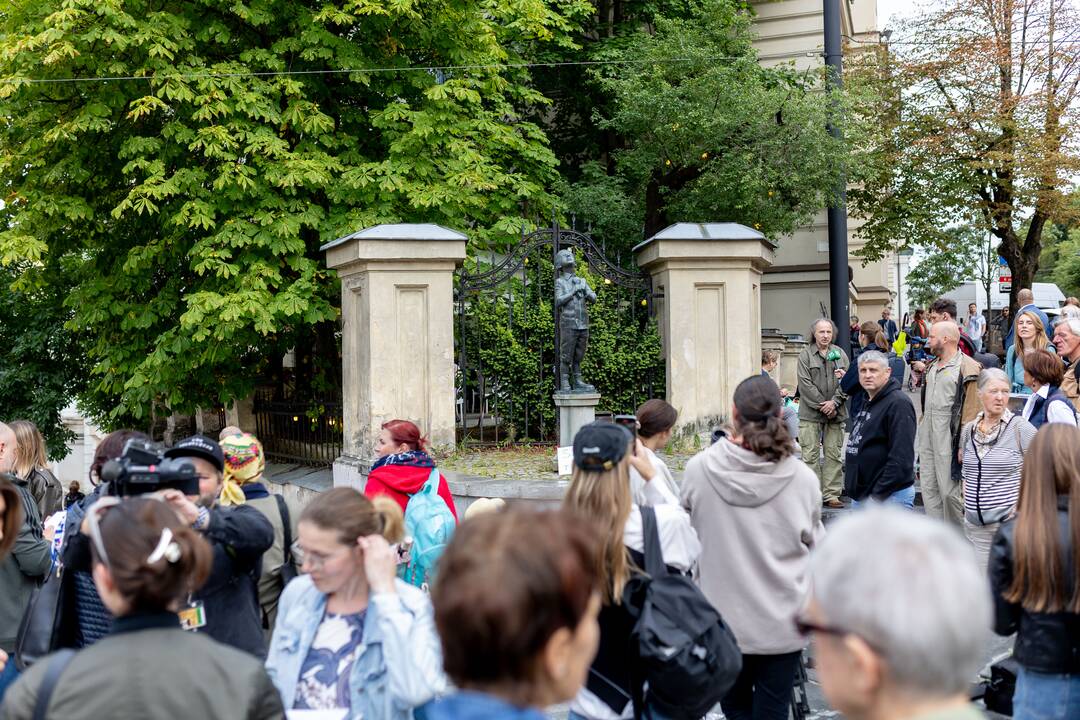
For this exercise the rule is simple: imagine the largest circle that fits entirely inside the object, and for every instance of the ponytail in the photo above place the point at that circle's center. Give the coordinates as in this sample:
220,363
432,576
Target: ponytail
391,518
758,419
347,512
155,559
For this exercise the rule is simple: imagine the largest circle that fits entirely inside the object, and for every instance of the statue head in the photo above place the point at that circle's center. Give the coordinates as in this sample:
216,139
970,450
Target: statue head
563,259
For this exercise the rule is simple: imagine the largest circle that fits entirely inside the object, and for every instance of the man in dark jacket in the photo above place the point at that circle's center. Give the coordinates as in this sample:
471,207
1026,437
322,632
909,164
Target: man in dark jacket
227,607
881,450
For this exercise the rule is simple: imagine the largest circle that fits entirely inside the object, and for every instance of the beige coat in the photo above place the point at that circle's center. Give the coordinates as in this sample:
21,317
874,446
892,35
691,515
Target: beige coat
270,584
757,521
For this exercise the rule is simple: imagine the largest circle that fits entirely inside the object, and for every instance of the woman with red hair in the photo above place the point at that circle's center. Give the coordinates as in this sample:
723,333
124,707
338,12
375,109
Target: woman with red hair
403,465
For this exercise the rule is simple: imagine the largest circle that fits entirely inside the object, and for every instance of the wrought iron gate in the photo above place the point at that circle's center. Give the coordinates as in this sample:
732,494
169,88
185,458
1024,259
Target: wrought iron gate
506,336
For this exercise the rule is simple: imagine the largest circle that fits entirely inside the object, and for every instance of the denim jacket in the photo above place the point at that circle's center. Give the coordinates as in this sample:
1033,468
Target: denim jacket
398,667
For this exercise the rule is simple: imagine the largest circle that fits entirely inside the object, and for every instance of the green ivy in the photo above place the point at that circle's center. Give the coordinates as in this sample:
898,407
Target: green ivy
508,335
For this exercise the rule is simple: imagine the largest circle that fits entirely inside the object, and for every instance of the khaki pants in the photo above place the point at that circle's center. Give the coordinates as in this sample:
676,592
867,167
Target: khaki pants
829,436
940,493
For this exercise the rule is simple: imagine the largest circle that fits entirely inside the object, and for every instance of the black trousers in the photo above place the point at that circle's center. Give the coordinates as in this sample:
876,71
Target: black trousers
763,688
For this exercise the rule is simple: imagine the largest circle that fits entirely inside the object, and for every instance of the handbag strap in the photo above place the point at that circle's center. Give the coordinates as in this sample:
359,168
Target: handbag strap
654,556
53,671
286,523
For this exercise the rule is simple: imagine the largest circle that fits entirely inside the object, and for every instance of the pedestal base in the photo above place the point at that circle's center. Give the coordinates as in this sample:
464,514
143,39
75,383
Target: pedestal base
575,411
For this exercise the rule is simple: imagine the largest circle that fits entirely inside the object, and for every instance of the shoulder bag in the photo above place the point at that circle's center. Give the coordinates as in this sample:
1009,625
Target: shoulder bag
288,568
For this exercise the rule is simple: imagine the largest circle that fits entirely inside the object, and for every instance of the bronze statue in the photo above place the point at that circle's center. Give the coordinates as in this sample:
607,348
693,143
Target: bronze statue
572,294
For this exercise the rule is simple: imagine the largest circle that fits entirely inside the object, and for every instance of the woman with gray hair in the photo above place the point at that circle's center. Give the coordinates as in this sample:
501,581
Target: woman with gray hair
992,448
899,617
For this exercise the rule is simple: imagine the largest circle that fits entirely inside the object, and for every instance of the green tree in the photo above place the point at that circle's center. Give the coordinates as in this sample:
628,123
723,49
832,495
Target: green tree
708,134
977,116
41,369
509,341
947,266
189,197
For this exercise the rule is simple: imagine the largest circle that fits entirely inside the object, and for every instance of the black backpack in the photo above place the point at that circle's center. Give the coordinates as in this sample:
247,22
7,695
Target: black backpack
687,659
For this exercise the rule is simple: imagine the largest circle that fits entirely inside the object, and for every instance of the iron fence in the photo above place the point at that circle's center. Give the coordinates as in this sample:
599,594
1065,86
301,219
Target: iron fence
305,433
506,335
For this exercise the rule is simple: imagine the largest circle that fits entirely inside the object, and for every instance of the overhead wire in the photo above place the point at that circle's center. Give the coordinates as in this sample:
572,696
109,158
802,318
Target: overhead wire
375,70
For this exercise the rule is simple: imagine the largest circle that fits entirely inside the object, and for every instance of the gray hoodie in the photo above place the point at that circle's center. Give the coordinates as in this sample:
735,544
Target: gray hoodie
757,521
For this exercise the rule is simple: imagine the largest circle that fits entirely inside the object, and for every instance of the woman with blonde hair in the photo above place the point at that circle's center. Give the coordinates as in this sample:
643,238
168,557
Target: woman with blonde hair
1035,576
1030,336
349,634
31,464
600,490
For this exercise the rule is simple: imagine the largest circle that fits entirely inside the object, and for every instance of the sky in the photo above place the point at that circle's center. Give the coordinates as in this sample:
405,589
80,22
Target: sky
888,8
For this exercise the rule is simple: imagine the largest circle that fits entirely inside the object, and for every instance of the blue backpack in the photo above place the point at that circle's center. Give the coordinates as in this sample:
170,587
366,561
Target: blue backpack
430,524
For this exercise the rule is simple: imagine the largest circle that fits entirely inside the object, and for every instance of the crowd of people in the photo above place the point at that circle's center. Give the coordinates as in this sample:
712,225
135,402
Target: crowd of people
643,596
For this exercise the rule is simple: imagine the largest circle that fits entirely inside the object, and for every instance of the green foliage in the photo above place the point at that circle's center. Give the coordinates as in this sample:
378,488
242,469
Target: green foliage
190,204
509,339
971,119
947,266
710,135
41,369
1066,271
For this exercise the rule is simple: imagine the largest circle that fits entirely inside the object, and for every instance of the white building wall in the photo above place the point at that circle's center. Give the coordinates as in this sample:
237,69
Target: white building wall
796,288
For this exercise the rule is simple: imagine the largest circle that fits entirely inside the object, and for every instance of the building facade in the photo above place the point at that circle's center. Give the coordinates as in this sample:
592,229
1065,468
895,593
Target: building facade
795,291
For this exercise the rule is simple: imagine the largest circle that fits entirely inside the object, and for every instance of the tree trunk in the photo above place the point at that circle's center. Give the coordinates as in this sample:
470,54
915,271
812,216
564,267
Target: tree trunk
1023,258
655,217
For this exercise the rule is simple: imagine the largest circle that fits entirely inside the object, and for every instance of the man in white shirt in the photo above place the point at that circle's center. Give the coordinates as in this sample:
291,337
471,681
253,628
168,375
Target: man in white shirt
976,326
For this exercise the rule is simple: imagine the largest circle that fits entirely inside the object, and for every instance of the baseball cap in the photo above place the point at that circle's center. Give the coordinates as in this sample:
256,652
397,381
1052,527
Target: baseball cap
600,446
201,447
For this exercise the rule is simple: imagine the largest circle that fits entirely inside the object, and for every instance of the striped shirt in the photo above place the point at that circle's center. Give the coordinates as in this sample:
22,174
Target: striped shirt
991,467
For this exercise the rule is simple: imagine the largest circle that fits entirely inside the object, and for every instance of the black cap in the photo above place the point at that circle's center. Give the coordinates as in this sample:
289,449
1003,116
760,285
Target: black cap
600,446
201,447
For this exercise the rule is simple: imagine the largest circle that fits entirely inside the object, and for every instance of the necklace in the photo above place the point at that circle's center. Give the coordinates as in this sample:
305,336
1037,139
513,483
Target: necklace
980,437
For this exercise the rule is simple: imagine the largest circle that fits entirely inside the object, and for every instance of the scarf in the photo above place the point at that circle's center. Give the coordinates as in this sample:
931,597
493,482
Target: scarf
413,458
244,463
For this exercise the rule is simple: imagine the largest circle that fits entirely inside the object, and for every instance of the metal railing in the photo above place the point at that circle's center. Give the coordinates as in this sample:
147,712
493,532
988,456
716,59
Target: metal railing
302,432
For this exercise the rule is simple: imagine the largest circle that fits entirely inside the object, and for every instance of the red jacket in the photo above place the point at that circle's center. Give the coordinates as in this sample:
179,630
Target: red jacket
401,482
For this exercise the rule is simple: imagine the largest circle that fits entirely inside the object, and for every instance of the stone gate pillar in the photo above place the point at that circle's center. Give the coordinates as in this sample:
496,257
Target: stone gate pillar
707,278
397,335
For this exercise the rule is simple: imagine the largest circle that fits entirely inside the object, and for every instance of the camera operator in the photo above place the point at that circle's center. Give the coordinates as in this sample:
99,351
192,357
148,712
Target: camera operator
145,561
226,608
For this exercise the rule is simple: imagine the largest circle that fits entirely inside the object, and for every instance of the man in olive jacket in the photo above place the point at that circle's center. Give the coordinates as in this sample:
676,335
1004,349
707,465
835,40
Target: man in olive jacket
821,409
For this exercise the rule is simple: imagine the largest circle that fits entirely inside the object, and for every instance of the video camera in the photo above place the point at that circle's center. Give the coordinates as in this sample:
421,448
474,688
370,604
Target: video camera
142,469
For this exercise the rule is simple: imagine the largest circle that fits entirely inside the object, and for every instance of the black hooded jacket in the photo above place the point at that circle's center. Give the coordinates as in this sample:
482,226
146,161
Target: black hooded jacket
881,452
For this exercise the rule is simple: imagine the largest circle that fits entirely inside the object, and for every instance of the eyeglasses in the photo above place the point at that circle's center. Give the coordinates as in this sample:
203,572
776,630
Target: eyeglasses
315,560
806,627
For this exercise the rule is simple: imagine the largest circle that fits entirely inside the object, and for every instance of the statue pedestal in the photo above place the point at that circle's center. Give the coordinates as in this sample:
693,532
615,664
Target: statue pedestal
575,410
